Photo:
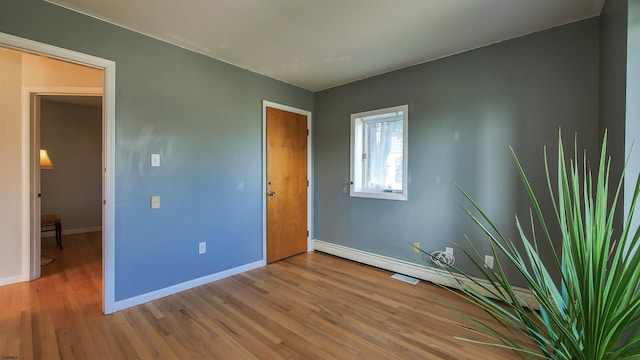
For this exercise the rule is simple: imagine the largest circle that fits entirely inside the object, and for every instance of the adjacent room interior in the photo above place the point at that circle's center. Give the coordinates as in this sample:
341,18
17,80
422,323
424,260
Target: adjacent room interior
165,173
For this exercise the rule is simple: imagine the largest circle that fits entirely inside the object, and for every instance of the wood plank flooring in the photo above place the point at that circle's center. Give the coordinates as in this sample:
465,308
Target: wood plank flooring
311,306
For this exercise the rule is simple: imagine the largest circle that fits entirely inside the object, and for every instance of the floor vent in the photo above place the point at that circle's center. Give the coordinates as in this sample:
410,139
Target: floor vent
405,278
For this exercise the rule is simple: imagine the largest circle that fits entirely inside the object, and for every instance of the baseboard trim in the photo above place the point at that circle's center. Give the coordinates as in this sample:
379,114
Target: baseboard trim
157,294
11,280
51,233
436,276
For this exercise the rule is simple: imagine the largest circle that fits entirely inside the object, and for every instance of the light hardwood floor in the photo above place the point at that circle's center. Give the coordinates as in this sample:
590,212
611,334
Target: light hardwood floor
310,306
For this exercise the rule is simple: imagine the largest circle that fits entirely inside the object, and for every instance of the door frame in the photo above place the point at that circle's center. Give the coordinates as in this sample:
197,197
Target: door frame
108,160
310,188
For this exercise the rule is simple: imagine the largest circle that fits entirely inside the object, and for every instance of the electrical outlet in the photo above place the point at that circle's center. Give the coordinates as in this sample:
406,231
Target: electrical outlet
488,261
416,247
448,250
202,248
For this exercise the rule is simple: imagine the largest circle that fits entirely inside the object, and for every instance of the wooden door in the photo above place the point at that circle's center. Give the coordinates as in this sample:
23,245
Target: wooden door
286,184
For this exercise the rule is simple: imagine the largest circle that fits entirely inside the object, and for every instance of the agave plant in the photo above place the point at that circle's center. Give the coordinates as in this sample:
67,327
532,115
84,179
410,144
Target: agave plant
592,310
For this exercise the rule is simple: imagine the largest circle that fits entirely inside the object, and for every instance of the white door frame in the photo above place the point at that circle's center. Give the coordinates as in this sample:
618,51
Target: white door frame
108,150
306,113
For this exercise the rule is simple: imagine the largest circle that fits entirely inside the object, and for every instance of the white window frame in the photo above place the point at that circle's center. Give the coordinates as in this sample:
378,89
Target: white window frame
357,188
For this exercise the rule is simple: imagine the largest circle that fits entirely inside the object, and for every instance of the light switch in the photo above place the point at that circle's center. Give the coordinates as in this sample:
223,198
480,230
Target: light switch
155,159
155,202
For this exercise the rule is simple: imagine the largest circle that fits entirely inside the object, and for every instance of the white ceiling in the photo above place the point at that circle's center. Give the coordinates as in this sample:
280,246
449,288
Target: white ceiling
318,44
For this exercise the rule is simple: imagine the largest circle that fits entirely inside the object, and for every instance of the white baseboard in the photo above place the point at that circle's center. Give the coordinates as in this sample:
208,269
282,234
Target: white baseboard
423,272
52,233
157,294
11,280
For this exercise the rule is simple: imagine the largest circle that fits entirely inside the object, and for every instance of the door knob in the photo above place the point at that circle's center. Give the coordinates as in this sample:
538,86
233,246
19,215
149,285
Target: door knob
271,193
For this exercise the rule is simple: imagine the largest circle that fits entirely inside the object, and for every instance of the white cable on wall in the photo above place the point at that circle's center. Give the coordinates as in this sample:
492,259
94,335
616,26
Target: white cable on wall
442,258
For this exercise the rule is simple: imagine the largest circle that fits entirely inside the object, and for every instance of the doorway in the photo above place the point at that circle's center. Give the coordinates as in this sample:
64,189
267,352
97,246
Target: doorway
69,127
287,181
24,150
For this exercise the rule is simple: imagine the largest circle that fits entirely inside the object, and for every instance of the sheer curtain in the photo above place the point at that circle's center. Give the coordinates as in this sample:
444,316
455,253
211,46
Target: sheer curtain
384,158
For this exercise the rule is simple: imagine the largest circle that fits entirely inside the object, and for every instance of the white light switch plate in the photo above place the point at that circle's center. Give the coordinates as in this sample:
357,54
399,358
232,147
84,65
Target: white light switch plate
155,202
155,159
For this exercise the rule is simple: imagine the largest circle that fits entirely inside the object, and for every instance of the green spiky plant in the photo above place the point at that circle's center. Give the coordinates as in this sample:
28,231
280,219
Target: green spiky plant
592,311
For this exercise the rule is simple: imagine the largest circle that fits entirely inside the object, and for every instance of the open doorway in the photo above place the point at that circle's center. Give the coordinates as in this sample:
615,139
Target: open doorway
33,84
70,128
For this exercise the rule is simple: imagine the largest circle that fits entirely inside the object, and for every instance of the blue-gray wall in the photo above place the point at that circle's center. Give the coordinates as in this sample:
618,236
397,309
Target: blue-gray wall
632,123
613,72
613,66
464,112
633,72
203,116
619,90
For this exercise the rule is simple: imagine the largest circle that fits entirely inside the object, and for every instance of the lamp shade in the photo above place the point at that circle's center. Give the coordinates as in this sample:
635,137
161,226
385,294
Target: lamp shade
45,161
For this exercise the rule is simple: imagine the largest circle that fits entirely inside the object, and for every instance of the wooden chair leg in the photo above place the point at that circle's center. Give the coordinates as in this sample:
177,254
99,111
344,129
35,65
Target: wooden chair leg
59,234
48,220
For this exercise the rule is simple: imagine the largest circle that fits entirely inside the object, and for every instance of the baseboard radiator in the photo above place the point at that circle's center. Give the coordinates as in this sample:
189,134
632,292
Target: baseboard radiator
436,276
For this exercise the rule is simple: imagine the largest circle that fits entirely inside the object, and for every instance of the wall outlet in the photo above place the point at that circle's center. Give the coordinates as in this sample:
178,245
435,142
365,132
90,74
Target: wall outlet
202,248
416,247
448,250
488,261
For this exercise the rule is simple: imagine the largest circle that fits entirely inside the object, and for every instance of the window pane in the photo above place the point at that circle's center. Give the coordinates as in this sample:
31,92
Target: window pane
383,162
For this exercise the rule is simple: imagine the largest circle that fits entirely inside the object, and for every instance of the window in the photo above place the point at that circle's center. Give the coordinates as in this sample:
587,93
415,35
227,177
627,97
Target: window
379,153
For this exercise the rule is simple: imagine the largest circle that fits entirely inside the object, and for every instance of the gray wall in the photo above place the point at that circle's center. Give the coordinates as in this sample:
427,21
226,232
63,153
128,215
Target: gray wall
464,112
203,116
619,91
632,128
613,72
633,71
72,134
613,66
